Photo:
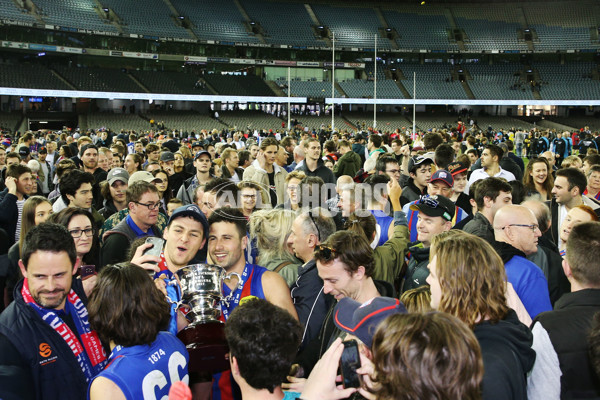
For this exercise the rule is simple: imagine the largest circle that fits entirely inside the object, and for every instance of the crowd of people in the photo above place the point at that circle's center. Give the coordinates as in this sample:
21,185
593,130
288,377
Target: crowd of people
458,267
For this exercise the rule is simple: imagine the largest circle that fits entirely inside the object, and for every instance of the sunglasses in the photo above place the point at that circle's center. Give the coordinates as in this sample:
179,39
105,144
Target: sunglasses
431,201
310,214
325,253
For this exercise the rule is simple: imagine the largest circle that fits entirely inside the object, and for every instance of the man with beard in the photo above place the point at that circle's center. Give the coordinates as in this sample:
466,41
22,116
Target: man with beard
47,350
89,158
226,243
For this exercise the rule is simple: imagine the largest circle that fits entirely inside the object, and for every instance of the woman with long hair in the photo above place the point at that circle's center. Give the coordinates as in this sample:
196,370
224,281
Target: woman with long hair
538,178
467,280
164,191
36,209
64,153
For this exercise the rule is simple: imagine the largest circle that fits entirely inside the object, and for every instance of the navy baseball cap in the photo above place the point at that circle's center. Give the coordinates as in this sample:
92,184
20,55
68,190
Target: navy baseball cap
201,153
361,320
193,211
441,175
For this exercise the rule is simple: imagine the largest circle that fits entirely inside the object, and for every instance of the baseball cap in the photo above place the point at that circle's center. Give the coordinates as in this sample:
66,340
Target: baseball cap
435,206
361,320
201,153
417,161
457,167
42,150
24,151
193,211
141,176
117,174
441,175
197,144
167,156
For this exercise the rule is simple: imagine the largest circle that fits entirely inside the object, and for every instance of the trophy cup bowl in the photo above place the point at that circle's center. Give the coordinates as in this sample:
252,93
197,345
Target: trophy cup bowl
201,288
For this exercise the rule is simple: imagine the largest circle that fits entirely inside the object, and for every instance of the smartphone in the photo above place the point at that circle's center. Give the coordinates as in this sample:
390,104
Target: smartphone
349,363
157,246
86,271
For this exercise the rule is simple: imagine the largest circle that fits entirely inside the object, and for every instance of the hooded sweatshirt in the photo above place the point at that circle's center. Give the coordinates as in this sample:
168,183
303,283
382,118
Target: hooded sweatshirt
507,357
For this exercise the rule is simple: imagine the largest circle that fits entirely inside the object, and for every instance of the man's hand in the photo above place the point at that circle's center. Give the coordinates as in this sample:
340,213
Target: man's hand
394,190
11,185
148,262
405,150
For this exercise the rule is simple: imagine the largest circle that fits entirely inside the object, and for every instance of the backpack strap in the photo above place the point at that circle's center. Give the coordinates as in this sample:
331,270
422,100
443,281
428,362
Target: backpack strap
281,266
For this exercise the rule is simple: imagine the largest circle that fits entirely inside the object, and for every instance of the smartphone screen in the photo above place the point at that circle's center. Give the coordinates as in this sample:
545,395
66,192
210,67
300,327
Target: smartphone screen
349,363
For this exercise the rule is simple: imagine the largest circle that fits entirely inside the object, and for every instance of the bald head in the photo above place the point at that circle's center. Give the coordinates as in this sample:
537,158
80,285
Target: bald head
541,212
344,180
517,226
549,156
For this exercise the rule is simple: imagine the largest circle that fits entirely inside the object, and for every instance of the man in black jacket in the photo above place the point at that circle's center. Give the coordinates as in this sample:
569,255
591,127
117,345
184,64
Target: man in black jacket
47,350
309,229
560,337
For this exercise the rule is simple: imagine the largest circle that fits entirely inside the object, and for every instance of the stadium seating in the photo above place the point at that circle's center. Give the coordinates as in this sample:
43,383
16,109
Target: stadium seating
386,122
9,121
239,85
495,82
73,13
215,20
432,81
169,82
29,76
153,19
352,26
314,89
284,23
185,120
9,10
568,82
98,79
250,119
386,89
117,122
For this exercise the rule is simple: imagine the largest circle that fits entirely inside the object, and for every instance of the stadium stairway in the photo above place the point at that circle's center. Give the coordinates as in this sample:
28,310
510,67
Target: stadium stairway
385,25
275,88
338,87
66,82
468,90
144,88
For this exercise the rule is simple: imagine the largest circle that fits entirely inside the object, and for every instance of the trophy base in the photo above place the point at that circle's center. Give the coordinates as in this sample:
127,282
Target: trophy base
207,347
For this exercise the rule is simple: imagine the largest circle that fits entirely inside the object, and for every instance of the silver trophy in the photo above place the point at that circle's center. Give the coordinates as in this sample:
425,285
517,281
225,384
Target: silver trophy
201,288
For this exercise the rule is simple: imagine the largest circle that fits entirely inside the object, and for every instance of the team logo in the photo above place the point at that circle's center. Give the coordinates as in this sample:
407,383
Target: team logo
247,298
45,350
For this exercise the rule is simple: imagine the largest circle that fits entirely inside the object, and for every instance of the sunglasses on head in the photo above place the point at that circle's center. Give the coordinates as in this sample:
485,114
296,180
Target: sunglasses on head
432,201
325,253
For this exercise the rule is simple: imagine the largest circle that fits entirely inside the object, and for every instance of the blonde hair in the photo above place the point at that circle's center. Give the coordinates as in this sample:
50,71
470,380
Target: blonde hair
569,162
271,229
417,300
472,277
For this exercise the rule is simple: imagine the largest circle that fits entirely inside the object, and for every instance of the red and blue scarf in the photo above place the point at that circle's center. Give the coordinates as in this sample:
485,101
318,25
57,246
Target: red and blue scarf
91,357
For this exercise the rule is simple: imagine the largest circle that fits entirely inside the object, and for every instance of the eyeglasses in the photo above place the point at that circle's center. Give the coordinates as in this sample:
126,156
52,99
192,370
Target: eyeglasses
316,226
533,227
76,233
325,253
149,206
249,196
431,201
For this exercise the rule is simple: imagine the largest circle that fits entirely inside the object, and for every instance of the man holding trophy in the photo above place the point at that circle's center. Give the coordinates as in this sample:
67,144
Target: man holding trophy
226,243
210,292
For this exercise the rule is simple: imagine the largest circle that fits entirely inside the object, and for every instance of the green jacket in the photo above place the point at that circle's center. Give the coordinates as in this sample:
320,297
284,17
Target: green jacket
348,164
114,220
390,256
289,272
